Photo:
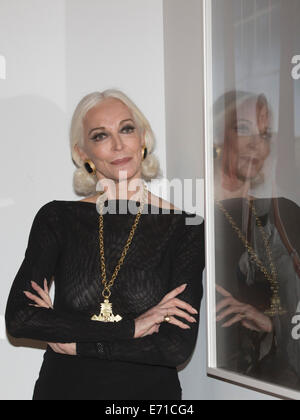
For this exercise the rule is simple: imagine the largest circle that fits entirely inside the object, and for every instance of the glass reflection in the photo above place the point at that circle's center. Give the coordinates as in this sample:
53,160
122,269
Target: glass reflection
257,243
256,188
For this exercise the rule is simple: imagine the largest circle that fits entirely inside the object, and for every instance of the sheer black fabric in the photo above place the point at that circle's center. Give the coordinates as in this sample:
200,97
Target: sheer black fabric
272,357
167,250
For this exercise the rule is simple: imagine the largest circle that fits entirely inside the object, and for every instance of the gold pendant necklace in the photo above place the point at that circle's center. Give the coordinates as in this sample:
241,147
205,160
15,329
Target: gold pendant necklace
106,314
275,307
106,311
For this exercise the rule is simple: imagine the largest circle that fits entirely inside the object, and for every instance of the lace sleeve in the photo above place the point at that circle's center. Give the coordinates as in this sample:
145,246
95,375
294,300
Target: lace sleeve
172,345
41,257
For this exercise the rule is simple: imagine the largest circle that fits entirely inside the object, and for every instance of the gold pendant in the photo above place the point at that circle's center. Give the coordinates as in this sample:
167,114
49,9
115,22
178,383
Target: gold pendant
276,308
106,314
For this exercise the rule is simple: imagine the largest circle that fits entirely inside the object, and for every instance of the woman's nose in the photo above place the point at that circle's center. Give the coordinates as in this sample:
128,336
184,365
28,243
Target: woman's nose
117,142
255,141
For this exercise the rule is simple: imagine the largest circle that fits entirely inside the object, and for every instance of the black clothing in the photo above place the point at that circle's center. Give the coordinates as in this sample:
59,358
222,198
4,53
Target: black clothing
167,250
271,357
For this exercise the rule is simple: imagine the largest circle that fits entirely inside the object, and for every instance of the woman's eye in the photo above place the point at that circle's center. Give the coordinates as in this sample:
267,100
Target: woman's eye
266,136
243,130
98,136
128,129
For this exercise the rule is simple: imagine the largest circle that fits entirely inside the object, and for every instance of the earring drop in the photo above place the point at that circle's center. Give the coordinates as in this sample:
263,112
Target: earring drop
90,167
144,152
217,152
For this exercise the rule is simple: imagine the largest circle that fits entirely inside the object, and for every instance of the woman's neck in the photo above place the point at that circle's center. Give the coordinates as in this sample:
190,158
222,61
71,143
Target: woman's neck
124,190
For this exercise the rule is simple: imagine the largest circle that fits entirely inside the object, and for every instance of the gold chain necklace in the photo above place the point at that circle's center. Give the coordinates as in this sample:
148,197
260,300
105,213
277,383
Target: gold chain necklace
275,308
106,312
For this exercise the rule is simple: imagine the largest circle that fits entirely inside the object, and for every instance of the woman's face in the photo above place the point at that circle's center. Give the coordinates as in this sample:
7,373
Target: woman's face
250,135
110,134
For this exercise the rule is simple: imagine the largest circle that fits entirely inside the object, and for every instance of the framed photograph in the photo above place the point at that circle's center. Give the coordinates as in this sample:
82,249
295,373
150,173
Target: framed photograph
252,155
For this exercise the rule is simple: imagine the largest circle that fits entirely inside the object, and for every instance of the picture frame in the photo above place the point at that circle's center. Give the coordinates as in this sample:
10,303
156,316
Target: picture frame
214,369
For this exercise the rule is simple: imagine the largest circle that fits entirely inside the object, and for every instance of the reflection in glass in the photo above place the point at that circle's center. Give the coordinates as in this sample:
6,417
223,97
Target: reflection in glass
257,197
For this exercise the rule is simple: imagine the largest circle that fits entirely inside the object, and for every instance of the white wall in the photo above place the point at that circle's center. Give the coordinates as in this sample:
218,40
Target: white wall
56,52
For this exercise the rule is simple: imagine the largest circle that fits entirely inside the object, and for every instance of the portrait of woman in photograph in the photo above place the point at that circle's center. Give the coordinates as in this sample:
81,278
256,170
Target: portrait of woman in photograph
126,266
257,246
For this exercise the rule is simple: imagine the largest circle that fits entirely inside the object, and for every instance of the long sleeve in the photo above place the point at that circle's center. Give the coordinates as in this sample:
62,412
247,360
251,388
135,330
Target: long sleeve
172,345
41,258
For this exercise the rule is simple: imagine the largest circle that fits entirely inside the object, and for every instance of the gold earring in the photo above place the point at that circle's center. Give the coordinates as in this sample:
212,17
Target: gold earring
217,152
90,167
144,152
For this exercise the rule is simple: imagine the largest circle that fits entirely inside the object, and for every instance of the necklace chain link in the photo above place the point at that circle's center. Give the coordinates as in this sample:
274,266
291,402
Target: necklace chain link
276,307
107,285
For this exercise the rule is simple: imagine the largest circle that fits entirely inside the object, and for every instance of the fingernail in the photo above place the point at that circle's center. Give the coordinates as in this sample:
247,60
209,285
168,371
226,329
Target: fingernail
195,311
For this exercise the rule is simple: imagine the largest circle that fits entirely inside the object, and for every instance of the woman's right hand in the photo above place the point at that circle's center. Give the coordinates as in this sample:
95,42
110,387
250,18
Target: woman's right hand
149,322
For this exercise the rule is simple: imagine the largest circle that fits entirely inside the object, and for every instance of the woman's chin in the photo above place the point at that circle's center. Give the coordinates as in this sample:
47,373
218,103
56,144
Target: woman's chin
123,174
248,173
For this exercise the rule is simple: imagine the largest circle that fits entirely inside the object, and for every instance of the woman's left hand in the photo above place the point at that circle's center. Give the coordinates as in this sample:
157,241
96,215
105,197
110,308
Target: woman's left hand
69,349
247,315
44,301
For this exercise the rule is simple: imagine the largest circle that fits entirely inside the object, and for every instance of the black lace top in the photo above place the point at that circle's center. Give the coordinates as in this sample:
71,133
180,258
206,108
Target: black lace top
167,250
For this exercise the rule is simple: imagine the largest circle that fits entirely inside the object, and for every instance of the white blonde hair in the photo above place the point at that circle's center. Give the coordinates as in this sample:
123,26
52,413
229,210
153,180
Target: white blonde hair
85,183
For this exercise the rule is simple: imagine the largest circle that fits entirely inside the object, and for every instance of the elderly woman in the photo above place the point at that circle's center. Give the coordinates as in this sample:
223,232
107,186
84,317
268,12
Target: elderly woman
257,247
117,328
